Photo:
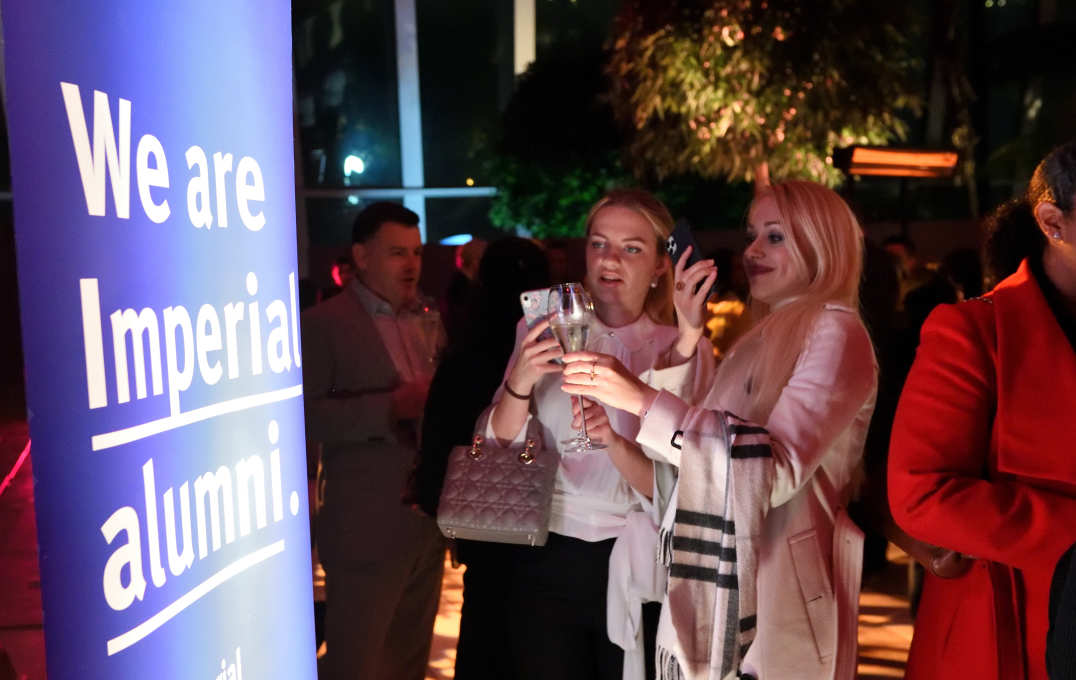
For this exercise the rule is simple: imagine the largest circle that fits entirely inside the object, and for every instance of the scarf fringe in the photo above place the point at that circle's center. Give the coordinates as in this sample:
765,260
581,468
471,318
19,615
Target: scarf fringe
665,545
668,666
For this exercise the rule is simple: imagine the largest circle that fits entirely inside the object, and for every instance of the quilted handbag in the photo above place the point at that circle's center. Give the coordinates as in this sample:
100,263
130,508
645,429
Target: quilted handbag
497,494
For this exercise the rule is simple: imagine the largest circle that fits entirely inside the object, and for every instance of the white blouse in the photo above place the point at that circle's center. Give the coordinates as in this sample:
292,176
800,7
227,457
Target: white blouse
590,498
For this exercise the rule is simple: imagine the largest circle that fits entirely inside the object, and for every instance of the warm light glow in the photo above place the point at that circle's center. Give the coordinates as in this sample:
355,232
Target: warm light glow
874,160
446,627
897,157
470,181
898,171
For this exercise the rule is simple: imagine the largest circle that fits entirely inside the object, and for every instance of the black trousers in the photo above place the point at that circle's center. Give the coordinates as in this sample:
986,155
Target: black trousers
558,621
483,651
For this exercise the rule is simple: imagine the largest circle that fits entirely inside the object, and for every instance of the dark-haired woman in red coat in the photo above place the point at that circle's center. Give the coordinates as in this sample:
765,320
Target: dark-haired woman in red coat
983,452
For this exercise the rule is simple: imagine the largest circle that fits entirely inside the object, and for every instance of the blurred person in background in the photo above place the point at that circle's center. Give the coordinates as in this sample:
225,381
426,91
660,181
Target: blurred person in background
913,273
560,260
367,365
460,287
468,376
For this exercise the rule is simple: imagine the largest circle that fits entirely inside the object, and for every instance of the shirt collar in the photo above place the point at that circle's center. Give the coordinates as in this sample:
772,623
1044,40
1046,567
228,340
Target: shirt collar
374,304
634,336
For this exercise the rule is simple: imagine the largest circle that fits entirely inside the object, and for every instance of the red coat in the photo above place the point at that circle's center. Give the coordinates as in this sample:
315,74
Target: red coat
983,460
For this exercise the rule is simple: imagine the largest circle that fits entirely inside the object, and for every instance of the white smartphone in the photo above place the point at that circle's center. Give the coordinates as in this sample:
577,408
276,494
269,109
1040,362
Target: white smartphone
535,304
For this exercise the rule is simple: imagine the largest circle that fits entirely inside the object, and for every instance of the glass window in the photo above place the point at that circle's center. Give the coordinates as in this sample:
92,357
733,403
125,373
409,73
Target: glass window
465,77
450,216
572,24
330,219
345,72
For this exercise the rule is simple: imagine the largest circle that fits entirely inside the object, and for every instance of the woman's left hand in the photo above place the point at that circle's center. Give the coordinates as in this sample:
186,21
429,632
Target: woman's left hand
598,427
603,378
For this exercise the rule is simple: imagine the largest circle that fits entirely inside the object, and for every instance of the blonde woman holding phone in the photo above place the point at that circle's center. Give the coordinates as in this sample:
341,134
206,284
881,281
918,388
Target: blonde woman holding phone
767,460
598,495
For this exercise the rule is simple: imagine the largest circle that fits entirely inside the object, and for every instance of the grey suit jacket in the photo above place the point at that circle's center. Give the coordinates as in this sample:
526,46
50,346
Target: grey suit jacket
348,381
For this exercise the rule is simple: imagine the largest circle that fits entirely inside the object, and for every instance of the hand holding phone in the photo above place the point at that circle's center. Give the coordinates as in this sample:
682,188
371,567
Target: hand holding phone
692,276
541,354
679,241
535,304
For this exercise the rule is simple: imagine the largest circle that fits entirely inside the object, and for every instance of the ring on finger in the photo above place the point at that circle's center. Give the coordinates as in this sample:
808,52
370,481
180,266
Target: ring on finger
593,369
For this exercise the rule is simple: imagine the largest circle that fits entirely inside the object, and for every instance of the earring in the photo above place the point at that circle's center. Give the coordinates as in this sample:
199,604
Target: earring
1056,235
654,283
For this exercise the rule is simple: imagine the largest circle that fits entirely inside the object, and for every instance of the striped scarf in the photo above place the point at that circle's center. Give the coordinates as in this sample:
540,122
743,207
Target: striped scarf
711,545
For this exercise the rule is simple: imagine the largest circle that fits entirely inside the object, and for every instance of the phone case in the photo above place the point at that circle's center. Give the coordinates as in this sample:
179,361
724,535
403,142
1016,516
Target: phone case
679,240
535,305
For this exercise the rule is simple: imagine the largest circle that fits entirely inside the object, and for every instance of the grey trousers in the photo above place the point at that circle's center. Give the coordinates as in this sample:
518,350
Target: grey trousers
380,612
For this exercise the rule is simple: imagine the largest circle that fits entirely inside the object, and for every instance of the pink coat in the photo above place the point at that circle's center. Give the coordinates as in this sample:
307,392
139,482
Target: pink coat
810,557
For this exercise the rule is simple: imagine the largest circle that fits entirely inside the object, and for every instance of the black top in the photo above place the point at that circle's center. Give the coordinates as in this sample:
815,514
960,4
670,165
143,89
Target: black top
462,387
1061,640
1054,300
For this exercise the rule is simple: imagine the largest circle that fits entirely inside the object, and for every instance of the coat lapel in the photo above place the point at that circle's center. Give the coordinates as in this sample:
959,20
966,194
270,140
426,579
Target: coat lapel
366,348
1036,374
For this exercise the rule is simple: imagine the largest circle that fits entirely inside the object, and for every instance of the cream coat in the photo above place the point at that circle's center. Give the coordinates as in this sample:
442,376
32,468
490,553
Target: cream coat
810,557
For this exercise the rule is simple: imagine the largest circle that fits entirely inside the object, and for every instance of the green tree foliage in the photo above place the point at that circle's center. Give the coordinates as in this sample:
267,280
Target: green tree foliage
557,150
735,88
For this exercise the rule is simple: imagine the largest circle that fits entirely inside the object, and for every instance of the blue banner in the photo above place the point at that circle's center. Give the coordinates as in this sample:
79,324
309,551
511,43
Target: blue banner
153,179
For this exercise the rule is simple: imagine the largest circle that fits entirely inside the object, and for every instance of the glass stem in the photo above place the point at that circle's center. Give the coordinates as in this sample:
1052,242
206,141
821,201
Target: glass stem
582,419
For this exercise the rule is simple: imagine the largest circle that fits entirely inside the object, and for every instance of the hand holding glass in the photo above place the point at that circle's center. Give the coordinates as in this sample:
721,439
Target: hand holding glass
570,313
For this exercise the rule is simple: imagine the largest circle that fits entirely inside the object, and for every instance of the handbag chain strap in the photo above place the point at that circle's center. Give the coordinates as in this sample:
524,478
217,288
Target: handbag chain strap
526,455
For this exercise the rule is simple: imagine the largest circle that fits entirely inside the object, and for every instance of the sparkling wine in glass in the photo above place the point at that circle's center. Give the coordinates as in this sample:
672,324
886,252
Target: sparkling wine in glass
430,331
571,312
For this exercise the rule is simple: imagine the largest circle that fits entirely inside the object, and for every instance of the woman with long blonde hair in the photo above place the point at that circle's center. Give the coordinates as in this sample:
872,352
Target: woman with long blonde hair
764,563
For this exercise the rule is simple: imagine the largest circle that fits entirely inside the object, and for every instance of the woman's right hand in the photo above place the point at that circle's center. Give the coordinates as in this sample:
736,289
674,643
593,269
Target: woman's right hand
691,303
534,359
942,562
948,563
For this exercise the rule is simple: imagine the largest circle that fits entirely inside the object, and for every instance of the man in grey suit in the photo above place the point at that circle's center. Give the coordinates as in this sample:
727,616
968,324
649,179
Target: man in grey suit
367,364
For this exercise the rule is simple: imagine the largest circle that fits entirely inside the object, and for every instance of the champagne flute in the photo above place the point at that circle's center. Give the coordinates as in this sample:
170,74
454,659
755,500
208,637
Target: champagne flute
430,328
570,314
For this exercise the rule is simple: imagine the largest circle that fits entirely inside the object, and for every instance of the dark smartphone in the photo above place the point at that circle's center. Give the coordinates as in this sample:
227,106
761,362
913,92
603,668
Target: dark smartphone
678,242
